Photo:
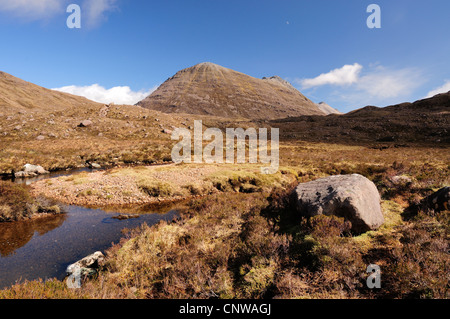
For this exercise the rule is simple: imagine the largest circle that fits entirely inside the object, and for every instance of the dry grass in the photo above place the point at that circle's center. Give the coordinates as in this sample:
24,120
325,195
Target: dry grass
18,204
239,244
127,134
254,246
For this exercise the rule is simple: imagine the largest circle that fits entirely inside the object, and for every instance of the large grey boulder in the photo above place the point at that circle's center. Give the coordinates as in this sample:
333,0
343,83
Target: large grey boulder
353,197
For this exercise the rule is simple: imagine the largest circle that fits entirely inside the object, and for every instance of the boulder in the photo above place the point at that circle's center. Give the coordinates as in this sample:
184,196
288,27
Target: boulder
29,170
37,169
87,266
401,180
22,174
85,123
94,165
353,197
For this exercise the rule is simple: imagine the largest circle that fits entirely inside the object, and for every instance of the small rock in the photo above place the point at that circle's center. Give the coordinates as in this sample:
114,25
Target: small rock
94,165
40,138
22,174
85,123
401,180
125,216
166,131
87,266
29,170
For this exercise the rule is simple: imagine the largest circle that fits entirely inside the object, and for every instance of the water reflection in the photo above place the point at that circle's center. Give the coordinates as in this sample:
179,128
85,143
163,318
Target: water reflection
44,248
17,234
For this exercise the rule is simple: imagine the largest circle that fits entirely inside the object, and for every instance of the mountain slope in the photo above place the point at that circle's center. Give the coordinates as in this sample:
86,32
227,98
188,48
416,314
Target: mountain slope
17,94
324,107
210,89
425,121
43,127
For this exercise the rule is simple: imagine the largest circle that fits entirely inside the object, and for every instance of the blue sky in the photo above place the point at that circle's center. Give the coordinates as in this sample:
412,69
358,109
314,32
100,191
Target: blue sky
126,48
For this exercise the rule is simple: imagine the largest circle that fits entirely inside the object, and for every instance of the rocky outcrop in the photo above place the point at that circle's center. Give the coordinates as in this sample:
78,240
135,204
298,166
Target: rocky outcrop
353,197
29,170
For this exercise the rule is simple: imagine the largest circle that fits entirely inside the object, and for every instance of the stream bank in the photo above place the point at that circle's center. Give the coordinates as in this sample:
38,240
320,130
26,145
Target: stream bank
43,247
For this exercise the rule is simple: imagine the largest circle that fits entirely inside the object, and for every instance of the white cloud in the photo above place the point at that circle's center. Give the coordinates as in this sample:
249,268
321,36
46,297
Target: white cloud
346,75
117,95
32,9
442,89
358,86
384,83
94,11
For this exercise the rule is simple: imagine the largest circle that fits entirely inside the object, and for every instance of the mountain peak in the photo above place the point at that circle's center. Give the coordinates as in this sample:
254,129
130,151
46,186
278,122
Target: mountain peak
211,89
207,64
278,80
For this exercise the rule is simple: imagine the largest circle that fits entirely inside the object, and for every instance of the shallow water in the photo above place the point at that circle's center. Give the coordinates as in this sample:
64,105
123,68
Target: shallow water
55,174
43,248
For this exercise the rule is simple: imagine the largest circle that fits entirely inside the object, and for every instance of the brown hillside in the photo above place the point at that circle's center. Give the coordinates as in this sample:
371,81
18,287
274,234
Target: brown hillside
17,94
43,127
425,121
210,89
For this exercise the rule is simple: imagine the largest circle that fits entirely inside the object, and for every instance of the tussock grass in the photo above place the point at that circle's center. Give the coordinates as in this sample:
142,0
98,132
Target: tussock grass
16,203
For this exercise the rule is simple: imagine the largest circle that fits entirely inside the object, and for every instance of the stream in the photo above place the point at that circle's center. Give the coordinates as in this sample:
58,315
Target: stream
44,247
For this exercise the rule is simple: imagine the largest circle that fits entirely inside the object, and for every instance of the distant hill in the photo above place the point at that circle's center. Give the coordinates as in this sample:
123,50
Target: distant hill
210,89
324,107
17,94
58,130
425,121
